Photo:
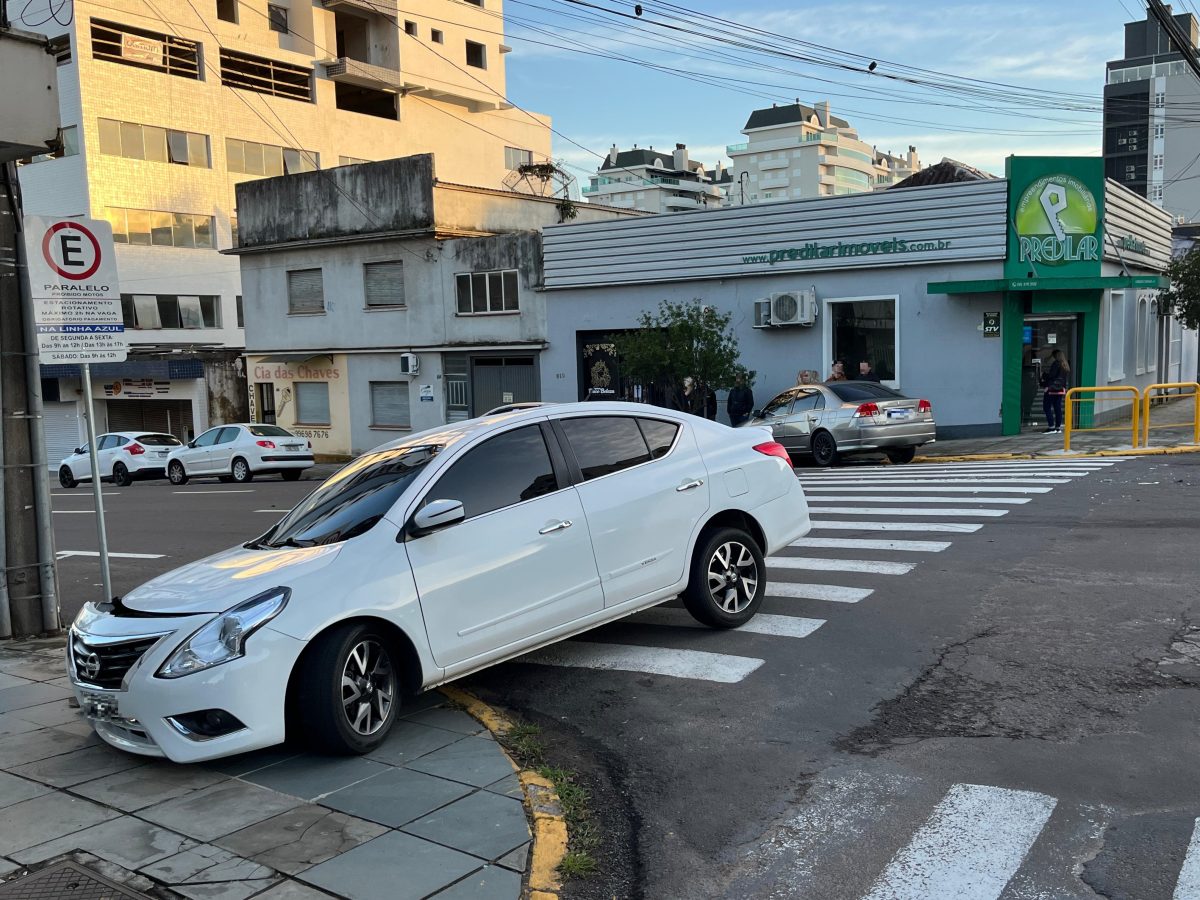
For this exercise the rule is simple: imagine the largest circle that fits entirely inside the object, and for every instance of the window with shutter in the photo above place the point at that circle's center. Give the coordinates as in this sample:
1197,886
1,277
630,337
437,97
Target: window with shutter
306,292
389,404
383,283
312,402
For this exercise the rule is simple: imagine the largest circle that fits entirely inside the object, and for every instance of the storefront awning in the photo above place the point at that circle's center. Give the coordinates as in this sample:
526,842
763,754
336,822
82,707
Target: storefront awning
995,285
291,357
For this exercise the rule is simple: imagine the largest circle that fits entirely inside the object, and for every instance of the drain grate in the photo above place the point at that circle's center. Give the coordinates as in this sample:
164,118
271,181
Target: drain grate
66,881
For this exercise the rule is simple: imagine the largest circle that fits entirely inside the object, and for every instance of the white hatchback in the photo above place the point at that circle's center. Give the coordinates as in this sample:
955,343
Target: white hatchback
239,452
430,558
122,457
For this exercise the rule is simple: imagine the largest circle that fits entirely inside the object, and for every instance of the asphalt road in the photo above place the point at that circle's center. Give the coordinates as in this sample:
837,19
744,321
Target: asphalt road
1009,716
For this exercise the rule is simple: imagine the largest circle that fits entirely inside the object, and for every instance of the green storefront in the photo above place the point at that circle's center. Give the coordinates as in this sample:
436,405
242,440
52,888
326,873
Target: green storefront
1081,252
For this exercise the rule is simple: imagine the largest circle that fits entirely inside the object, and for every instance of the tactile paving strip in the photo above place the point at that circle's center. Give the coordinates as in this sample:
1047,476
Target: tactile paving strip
66,881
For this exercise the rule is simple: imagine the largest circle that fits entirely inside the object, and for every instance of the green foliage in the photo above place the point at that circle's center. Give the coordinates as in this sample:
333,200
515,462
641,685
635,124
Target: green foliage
681,339
1182,298
577,864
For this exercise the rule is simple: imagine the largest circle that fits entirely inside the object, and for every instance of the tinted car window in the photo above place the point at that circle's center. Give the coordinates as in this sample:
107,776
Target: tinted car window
109,441
159,440
351,501
227,435
605,444
269,431
780,405
504,470
208,438
659,435
807,401
851,391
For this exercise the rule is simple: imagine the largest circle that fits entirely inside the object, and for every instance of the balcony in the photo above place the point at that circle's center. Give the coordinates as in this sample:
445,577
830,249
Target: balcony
683,203
764,164
374,7
363,74
737,148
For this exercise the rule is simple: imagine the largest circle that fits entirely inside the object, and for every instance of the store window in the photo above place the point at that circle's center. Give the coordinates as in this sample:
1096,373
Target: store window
389,404
312,402
1116,335
864,330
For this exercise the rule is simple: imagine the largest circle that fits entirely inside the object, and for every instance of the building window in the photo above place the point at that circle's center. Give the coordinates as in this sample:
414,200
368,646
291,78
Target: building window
148,227
410,28
1160,131
306,292
481,293
515,157
1152,336
383,284
1160,99
389,404
1116,335
1156,193
69,146
476,55
277,18
475,2
437,36
864,329
233,230
251,158
143,49
60,46
265,76
227,10
133,141
312,402
1158,161
1144,340
156,311
241,315
351,161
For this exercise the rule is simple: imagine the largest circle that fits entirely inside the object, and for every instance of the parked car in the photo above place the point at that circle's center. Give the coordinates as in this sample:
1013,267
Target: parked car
430,558
239,452
832,420
122,457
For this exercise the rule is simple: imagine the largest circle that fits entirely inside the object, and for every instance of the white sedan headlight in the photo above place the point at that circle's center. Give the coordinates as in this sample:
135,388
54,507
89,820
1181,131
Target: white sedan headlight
224,638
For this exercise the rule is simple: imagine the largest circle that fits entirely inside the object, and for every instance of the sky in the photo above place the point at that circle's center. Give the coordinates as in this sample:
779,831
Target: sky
1050,49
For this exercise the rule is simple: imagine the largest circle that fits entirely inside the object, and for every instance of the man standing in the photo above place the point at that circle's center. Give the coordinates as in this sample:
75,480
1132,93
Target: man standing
740,402
866,373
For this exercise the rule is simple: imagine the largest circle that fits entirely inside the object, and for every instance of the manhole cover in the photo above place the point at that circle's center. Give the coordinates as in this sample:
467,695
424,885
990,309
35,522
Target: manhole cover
66,881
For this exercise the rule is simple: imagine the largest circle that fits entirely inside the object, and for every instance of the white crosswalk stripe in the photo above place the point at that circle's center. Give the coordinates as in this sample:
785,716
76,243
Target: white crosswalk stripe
699,665
819,564
957,527
971,846
819,492
910,473
1188,885
903,511
762,623
1091,464
833,593
862,544
935,480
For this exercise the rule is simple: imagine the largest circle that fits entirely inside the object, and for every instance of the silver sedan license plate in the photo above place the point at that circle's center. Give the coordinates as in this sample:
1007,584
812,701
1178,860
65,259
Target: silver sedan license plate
99,706
899,413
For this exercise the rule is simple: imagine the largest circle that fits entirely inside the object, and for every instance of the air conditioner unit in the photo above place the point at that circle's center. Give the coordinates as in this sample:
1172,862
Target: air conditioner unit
762,313
410,364
794,308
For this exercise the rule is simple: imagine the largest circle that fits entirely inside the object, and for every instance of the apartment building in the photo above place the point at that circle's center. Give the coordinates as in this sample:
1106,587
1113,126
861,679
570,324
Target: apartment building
795,152
166,106
656,181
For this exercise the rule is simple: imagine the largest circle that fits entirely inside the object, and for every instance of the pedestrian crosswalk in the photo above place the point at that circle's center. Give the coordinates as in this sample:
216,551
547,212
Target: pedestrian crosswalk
947,499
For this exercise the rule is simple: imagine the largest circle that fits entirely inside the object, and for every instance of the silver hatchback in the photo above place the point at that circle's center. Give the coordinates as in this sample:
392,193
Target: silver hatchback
828,421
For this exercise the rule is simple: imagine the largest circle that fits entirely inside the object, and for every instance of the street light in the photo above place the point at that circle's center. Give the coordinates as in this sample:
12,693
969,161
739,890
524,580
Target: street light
742,184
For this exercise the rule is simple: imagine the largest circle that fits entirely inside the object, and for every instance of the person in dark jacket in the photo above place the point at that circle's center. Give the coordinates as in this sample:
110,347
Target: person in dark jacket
1055,380
710,403
866,373
690,399
740,402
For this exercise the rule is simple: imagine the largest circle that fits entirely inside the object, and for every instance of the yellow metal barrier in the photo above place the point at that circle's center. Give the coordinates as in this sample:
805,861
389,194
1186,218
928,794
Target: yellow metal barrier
1149,394
1068,416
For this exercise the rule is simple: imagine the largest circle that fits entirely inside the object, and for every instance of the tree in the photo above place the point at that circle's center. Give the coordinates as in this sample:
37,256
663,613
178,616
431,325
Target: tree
1182,298
681,339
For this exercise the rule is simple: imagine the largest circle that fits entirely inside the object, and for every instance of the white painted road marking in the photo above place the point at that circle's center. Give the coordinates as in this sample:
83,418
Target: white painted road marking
935,479
1093,464
278,512
971,845
1188,885
695,664
861,544
762,623
86,495
73,512
951,476
873,566
901,511
63,554
834,593
904,498
958,527
812,489
228,491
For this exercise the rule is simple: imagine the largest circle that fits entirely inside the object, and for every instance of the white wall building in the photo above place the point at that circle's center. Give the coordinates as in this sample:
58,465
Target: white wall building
796,152
656,181
166,107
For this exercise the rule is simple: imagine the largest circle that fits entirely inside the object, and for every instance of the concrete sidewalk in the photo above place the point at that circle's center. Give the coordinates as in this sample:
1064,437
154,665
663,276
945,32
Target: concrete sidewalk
436,811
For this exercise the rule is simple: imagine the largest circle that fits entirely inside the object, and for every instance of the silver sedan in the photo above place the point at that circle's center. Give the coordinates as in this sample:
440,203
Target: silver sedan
828,421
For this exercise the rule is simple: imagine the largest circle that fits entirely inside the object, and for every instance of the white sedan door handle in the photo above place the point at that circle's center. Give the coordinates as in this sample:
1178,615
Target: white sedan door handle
557,526
690,485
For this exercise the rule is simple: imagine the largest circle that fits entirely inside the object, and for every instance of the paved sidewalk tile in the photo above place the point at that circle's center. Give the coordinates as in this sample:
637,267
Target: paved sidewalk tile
128,842
450,719
153,783
411,740
484,825
478,763
210,873
219,810
34,667
518,860
397,797
489,883
7,681
11,723
300,838
31,694
508,786
14,789
293,890
79,766
395,866
313,776
245,763
19,749
45,818
57,712
427,700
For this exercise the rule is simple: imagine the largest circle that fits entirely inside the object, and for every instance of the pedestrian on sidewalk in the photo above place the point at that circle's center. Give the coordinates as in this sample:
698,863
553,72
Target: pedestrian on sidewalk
1055,380
866,372
838,373
740,402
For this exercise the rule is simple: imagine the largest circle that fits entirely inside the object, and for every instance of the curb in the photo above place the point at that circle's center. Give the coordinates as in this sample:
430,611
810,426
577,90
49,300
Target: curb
1094,454
549,844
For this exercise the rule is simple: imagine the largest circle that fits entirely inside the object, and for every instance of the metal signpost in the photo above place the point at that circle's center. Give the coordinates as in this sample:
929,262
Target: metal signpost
77,314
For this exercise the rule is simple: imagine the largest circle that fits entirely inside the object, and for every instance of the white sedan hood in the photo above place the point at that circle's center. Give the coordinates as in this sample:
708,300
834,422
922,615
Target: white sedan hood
218,582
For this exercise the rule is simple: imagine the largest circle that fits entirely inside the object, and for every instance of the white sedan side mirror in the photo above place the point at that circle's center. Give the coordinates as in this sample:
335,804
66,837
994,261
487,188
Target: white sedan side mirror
438,514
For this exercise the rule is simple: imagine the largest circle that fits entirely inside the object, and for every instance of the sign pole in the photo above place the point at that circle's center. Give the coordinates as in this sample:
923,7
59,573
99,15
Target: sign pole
97,492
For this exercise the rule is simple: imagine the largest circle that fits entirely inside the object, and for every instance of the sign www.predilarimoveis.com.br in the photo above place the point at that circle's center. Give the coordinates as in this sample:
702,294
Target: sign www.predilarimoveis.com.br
817,250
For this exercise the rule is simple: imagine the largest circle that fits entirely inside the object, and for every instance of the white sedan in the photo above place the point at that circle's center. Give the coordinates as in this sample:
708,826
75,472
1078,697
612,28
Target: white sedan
239,452
122,457
430,558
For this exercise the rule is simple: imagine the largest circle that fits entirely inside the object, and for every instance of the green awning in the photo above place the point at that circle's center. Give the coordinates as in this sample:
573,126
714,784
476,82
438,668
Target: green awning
996,285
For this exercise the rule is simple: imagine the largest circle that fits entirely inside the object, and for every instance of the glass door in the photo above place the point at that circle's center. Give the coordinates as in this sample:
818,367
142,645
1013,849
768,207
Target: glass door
1042,336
